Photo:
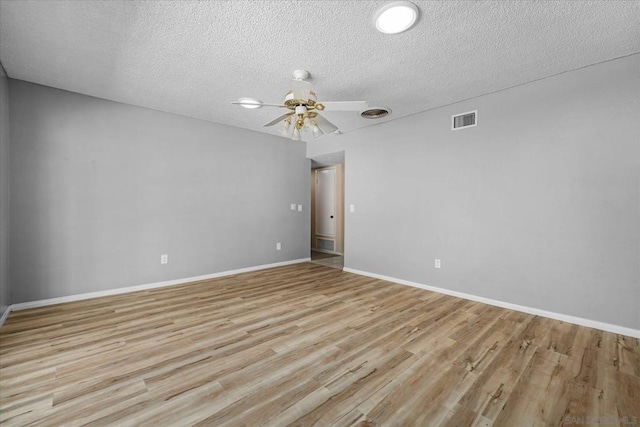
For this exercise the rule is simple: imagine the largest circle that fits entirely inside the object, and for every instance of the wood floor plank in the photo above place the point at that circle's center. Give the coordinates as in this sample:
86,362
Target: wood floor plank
488,394
307,345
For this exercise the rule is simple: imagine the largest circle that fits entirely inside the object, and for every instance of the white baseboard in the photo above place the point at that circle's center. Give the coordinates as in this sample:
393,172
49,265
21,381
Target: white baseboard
117,291
5,315
608,327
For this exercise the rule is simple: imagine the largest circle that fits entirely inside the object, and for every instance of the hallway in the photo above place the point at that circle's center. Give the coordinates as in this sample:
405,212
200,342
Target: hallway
328,260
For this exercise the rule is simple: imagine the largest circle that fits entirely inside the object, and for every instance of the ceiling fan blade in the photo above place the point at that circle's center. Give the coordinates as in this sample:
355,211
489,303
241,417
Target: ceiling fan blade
345,106
325,125
279,119
260,104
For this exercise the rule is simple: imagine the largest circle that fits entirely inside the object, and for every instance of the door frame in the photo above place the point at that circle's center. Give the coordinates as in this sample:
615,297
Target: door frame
339,211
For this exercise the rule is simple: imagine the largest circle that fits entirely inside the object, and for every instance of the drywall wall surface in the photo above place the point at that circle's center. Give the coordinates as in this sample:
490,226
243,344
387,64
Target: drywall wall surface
5,289
100,190
326,144
538,205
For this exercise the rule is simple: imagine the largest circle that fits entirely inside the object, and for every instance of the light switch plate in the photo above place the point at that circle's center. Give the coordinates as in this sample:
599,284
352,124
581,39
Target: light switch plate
299,208
352,208
293,206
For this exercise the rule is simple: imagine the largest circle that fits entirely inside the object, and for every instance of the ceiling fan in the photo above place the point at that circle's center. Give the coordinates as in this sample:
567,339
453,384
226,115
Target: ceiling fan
303,109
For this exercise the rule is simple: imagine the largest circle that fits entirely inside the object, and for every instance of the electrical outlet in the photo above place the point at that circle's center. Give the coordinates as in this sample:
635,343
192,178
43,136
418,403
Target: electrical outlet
278,246
164,259
437,263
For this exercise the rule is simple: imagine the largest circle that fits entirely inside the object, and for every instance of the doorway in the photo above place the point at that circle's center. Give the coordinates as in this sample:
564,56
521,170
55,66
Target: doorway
327,215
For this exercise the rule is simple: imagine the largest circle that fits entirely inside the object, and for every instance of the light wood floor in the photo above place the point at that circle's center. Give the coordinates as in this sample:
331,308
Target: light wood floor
308,345
328,260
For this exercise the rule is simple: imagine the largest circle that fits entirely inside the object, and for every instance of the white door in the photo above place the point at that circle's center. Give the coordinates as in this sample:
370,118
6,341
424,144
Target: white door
325,202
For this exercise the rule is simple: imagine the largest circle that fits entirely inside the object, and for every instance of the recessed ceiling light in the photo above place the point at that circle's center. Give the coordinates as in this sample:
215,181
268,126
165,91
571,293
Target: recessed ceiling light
375,113
250,103
396,17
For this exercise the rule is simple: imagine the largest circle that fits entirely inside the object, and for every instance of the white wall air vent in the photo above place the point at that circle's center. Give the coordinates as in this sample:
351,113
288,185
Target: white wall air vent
326,244
464,120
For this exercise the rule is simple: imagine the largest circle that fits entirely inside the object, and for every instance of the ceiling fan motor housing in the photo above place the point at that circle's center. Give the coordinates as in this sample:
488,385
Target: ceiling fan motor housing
300,74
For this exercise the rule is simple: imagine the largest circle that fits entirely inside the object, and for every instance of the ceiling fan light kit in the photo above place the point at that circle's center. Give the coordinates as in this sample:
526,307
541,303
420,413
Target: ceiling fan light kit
396,17
303,109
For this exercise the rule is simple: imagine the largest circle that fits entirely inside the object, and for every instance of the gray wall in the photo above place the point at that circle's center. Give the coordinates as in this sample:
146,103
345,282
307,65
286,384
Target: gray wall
5,295
99,190
538,205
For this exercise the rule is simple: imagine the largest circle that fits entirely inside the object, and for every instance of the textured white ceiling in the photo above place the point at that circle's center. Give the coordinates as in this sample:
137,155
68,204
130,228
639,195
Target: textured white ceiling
194,58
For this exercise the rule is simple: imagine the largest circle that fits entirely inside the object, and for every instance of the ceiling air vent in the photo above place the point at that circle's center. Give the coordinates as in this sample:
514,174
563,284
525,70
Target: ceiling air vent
464,120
